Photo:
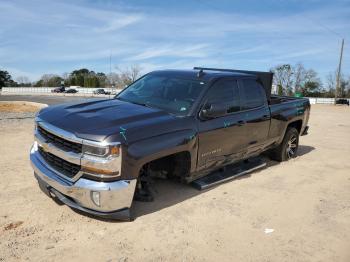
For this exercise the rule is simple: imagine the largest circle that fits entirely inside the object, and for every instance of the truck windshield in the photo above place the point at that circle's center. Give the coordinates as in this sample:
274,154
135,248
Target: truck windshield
171,94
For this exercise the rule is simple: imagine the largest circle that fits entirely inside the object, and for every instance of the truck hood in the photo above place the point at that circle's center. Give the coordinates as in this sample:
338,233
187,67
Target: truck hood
112,120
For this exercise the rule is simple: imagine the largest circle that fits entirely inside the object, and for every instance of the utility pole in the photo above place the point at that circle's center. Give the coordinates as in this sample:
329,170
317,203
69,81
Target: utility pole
110,63
110,69
339,70
110,74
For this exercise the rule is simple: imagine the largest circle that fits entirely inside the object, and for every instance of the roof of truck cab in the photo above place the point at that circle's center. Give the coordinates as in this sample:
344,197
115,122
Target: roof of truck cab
205,76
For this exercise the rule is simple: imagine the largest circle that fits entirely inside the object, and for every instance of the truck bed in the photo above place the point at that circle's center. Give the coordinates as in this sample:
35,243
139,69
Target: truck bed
284,108
275,99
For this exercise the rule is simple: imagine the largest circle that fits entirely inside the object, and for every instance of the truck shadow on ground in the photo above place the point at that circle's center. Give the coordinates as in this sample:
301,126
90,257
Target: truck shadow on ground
168,192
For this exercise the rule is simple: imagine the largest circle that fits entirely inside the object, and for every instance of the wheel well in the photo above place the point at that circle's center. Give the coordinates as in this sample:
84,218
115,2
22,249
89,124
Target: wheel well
297,125
178,164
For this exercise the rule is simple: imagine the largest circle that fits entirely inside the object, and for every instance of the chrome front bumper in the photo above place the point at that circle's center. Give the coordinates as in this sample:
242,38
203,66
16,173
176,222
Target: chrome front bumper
115,197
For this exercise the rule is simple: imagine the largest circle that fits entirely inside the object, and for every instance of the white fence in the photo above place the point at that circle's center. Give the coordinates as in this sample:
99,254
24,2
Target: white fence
47,90
321,100
84,91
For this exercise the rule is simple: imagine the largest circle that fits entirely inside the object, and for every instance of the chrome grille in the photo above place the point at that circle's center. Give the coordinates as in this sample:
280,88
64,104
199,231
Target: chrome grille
66,168
60,142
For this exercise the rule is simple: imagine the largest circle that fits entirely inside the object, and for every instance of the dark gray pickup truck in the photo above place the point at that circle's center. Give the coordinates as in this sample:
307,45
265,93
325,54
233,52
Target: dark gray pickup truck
97,156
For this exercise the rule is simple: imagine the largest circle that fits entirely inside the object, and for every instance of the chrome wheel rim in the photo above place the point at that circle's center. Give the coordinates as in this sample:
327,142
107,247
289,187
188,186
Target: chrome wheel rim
292,147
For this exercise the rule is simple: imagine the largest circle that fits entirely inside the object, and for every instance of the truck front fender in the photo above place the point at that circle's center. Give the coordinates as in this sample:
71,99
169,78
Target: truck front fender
139,153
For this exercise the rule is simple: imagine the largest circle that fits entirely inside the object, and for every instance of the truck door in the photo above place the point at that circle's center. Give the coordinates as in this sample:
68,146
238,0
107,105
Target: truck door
221,139
256,115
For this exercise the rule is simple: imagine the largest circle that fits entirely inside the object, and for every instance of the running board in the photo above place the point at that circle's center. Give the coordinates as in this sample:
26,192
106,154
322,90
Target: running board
230,172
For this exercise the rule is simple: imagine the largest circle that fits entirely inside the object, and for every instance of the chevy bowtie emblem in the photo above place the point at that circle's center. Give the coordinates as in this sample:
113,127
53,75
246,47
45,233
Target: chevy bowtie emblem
44,147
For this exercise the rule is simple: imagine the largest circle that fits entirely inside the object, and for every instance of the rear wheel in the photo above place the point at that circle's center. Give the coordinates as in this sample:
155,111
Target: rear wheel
289,146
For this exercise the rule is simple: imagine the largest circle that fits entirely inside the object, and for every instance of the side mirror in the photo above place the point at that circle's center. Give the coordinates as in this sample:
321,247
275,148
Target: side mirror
213,110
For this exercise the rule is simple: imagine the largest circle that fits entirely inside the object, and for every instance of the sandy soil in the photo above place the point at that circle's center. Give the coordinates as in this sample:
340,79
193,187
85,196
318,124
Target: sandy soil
305,201
15,108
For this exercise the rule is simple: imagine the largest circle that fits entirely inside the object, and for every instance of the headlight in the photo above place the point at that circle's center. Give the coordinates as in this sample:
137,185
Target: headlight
101,163
101,151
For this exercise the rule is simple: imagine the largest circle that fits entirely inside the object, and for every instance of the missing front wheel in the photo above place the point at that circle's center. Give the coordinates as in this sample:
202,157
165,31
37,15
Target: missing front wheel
143,192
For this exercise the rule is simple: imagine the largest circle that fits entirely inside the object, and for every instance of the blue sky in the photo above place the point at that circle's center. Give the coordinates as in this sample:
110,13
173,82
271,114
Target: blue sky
38,37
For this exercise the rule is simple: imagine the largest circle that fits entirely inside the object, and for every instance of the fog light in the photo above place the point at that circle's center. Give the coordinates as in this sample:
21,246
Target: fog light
95,196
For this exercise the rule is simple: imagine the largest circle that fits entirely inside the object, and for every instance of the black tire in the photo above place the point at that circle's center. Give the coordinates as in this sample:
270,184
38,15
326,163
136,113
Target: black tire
288,148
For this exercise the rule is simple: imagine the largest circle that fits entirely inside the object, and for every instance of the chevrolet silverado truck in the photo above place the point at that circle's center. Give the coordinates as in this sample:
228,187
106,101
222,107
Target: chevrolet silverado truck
97,156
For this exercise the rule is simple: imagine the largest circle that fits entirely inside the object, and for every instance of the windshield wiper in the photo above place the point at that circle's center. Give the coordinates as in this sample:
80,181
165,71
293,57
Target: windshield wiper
139,103
134,102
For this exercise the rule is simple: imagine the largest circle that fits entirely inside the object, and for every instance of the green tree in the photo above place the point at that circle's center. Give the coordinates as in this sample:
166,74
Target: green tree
311,88
291,79
55,81
280,90
86,78
77,77
49,80
39,83
311,84
102,80
6,79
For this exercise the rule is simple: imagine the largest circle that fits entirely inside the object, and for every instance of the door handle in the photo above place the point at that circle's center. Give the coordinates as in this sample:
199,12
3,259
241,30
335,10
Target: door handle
265,117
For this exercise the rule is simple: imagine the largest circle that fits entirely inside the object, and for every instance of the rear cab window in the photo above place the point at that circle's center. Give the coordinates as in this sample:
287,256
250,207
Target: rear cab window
252,93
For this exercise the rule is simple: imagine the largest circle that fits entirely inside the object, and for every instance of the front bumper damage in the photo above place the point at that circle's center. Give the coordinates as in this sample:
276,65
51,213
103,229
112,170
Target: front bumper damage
115,198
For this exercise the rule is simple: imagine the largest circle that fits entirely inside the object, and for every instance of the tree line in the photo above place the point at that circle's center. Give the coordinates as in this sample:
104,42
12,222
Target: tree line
82,77
288,80
296,79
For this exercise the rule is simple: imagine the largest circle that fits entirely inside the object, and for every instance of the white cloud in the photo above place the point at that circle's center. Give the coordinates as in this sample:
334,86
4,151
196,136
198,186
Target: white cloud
58,36
118,23
198,50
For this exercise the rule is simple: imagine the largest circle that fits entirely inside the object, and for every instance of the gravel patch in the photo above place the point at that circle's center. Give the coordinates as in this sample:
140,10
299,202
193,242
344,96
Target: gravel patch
16,116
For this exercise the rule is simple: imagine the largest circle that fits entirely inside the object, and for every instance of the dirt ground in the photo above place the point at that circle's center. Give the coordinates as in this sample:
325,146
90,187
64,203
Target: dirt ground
294,211
15,108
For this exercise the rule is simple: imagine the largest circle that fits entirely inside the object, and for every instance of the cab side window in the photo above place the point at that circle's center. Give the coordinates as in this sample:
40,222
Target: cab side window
225,92
253,94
